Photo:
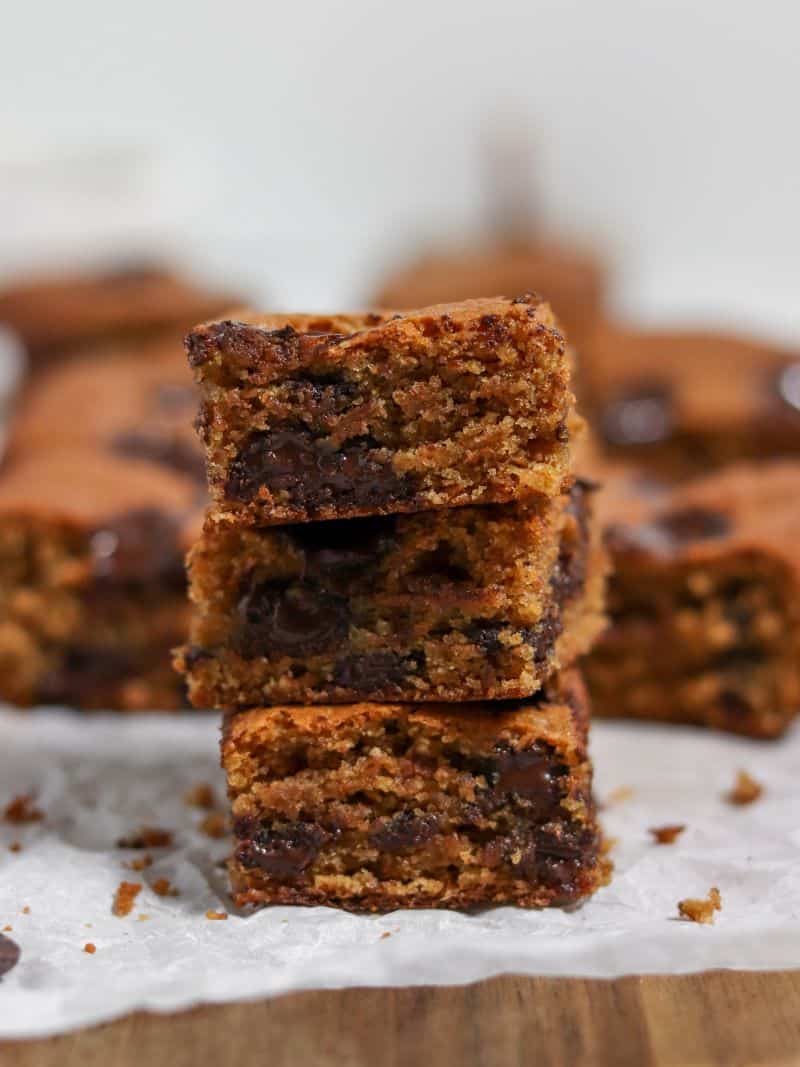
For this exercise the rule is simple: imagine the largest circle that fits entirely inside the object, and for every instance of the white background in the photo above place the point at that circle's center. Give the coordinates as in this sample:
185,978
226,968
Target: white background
299,145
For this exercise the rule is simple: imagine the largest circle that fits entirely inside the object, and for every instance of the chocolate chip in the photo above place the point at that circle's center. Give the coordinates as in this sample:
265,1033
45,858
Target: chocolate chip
294,462
138,546
374,672
733,703
194,654
9,954
404,830
531,774
640,416
166,449
86,676
670,532
296,619
284,851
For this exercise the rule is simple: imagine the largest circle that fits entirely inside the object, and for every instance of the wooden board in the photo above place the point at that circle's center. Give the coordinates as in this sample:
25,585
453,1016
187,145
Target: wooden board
730,1019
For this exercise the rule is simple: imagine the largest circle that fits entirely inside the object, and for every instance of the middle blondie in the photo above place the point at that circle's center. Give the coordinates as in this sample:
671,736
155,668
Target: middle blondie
460,604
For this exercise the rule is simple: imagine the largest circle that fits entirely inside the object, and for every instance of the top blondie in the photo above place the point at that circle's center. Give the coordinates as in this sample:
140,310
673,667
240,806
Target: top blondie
326,417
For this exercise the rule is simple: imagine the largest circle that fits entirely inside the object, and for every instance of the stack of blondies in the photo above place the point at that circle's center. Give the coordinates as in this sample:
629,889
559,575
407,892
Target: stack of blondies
397,573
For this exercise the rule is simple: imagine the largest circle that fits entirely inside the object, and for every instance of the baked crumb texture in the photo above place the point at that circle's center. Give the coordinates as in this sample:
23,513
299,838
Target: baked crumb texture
704,602
745,791
373,807
471,603
701,911
309,418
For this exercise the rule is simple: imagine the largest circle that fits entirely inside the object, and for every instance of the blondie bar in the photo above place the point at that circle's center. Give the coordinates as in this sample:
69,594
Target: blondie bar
56,314
682,403
704,601
372,807
309,418
100,497
469,603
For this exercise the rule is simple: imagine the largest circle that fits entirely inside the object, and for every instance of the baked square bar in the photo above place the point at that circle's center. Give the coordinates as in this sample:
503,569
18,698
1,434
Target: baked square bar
101,494
372,807
462,604
704,601
309,418
681,403
59,314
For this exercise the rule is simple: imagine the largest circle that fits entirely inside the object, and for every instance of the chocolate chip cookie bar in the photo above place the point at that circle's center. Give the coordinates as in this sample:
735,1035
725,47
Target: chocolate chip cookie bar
308,418
570,278
462,604
56,315
704,601
372,807
682,403
101,495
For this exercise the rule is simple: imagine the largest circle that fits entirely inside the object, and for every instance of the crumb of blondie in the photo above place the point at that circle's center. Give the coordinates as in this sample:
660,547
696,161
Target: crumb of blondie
26,910
200,796
385,934
147,837
15,846
701,911
620,794
211,914
745,791
7,929
22,809
139,863
124,899
162,887
90,948
607,844
215,824
667,835
142,917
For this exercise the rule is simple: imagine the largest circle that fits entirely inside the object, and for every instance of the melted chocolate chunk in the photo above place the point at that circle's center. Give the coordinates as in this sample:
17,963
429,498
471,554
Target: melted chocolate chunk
284,851
166,449
9,954
531,774
373,672
733,703
404,830
669,533
295,462
297,619
541,638
640,416
342,555
140,546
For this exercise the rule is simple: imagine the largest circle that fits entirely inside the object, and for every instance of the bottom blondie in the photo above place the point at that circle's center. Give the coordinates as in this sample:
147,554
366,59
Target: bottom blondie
371,807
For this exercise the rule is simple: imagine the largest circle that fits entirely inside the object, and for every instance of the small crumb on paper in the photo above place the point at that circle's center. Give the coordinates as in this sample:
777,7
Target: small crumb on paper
147,837
162,887
214,825
216,914
139,863
667,835
90,948
15,846
620,794
701,911
22,809
200,796
126,894
745,790
26,910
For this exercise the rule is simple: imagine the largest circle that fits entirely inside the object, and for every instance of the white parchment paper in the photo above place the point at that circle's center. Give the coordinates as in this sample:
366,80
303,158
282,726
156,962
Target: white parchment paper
98,779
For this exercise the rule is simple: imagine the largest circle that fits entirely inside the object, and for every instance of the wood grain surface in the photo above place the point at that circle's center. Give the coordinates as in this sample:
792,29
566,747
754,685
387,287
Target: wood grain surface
730,1019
